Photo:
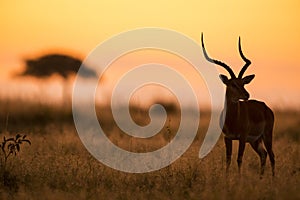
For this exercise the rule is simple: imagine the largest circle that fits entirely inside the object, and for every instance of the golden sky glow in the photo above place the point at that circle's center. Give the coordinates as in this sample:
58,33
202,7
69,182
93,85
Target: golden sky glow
269,30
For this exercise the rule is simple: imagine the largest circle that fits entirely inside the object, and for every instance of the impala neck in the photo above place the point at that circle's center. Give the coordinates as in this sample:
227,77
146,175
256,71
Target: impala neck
232,110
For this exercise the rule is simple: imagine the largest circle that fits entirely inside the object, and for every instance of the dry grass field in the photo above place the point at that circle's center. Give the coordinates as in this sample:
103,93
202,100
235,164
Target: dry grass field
57,165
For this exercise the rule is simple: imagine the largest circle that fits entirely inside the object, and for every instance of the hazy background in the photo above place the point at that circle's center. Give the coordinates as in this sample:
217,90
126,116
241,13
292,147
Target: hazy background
269,31
58,166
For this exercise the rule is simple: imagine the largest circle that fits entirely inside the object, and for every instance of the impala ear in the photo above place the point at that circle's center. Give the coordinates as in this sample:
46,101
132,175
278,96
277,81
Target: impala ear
224,79
248,79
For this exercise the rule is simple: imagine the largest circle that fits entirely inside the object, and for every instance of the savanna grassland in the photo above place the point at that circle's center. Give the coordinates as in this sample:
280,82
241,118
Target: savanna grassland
57,166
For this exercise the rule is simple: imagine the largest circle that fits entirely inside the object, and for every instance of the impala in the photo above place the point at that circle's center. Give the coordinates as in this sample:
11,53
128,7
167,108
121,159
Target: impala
244,120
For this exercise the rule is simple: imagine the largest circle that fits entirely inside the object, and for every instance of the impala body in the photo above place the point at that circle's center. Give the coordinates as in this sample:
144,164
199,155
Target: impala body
243,119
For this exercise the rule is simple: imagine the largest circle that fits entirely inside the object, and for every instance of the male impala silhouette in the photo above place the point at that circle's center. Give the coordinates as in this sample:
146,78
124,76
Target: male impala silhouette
245,120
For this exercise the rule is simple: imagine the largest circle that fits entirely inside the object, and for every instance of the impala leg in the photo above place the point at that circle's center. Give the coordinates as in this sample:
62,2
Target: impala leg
240,154
228,145
259,149
268,145
272,159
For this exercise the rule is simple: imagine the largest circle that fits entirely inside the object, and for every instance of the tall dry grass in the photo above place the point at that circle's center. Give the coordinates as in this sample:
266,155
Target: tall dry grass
57,166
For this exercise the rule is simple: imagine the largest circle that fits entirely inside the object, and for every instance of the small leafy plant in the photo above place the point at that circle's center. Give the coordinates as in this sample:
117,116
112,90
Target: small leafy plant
10,147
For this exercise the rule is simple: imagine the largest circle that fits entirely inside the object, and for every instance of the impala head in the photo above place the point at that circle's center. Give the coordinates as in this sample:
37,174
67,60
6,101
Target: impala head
235,89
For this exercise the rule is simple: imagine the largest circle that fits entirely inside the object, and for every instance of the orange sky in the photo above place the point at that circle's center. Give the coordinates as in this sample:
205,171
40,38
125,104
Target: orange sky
270,33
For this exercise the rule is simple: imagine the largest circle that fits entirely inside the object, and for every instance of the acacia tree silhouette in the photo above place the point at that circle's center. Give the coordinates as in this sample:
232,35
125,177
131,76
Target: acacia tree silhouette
63,65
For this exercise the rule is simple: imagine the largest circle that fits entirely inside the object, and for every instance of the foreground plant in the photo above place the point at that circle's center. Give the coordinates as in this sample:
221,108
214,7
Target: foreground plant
10,147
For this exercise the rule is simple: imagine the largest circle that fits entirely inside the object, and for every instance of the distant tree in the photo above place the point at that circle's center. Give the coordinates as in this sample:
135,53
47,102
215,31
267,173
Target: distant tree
62,65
